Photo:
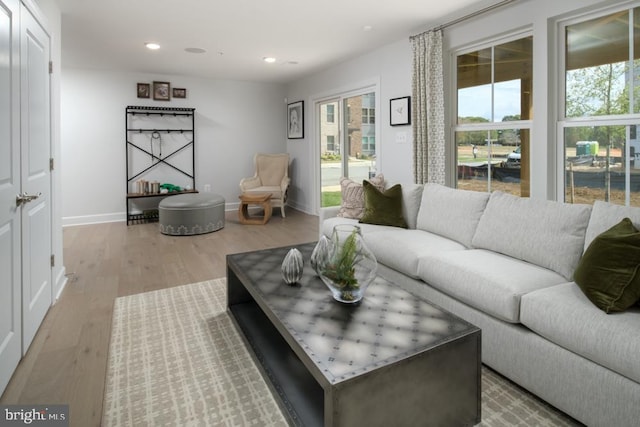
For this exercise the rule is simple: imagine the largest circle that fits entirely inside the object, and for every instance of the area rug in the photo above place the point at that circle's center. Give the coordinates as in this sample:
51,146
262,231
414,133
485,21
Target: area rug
176,359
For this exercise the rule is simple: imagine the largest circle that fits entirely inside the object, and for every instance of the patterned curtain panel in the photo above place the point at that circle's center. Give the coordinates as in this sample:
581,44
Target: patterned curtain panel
427,108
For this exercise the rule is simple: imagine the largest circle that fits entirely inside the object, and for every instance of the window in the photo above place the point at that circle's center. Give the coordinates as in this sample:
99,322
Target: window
331,113
368,115
601,109
347,144
331,143
369,145
494,109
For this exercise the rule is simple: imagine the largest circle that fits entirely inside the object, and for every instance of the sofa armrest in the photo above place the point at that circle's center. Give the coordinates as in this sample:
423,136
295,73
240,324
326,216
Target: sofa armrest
328,212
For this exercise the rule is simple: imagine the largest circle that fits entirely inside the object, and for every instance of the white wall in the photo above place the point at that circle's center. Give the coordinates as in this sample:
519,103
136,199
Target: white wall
234,120
391,65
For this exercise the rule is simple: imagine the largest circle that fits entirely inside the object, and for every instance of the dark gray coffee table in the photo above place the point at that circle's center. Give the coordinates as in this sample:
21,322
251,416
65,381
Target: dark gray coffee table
392,360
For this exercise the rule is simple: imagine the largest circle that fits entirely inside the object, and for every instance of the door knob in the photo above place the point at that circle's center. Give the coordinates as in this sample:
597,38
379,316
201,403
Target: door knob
26,198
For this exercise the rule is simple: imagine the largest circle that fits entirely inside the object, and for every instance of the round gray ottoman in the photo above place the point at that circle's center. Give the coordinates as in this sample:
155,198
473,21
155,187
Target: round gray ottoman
189,214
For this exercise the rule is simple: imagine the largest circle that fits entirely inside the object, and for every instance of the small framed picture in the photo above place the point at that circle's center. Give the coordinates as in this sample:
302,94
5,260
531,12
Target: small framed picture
144,90
179,92
295,120
400,111
161,91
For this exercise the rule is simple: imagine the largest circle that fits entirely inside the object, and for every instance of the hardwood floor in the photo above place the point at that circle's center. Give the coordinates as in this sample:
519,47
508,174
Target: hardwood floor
67,360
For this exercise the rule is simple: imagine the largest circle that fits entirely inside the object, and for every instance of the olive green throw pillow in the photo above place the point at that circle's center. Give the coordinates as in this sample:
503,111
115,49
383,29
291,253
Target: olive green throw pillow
609,270
383,207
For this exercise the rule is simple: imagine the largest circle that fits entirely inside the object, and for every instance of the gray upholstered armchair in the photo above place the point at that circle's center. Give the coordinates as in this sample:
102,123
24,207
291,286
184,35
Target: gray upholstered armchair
272,176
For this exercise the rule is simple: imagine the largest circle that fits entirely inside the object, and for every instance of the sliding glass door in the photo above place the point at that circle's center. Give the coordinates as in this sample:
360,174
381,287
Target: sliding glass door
347,142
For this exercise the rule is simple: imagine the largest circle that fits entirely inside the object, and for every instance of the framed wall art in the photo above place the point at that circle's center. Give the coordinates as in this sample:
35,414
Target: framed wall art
161,91
400,111
295,120
179,92
144,90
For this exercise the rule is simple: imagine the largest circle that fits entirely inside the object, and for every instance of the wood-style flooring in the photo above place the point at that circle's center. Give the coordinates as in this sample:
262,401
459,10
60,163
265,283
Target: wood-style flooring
66,362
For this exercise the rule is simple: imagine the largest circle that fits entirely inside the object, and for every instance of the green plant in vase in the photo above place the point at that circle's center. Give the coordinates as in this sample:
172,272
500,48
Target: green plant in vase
341,269
345,264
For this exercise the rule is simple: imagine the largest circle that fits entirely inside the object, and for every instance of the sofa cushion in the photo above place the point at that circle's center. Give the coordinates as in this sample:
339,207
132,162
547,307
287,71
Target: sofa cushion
609,271
565,316
450,212
400,249
275,190
411,198
488,281
352,195
383,207
549,234
605,215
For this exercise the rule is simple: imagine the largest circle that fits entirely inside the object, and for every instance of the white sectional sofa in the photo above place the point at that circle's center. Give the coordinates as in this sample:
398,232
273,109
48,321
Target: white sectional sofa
505,264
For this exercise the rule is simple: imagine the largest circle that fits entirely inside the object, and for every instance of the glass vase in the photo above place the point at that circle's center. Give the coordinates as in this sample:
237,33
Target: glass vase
350,266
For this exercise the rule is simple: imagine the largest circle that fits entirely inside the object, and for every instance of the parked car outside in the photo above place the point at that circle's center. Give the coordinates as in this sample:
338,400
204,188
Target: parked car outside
513,159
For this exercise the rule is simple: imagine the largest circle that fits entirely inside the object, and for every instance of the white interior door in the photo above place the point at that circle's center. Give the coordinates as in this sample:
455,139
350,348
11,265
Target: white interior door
36,176
10,274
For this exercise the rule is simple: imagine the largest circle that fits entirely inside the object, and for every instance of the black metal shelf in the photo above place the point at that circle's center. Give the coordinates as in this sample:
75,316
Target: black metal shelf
130,129
169,111
140,130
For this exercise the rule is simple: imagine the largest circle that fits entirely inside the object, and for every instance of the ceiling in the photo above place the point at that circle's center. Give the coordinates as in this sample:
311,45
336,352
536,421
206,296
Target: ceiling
304,36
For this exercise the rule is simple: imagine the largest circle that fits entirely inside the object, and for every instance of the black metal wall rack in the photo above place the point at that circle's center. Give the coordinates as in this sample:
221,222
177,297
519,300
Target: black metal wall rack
169,113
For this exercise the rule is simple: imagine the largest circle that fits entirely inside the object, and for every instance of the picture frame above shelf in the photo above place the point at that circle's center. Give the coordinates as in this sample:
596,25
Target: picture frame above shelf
162,91
144,90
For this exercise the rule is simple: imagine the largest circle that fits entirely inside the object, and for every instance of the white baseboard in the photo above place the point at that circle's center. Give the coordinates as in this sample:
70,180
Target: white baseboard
60,283
298,207
70,221
93,219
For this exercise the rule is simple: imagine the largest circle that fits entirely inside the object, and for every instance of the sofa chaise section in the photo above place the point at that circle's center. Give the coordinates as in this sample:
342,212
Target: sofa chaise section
506,264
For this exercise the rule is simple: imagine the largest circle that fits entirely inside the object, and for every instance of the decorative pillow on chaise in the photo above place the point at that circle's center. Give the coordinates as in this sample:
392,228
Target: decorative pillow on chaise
383,207
609,271
353,196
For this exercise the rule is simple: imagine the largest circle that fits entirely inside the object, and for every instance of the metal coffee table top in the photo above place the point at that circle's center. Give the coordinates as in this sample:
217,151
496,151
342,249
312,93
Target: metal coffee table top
345,341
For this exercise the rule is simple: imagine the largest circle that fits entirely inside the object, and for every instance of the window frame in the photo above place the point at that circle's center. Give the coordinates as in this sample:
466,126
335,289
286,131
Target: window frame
563,122
490,125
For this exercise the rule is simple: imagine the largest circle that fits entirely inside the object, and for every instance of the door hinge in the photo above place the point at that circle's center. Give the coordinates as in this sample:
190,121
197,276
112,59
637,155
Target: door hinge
51,164
53,260
50,67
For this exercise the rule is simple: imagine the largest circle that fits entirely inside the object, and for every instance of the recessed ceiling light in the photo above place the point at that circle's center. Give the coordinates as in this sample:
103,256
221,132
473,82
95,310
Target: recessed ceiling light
367,28
195,50
269,59
152,46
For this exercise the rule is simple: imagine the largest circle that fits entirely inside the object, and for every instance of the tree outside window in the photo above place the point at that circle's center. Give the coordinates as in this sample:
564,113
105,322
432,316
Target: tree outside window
601,110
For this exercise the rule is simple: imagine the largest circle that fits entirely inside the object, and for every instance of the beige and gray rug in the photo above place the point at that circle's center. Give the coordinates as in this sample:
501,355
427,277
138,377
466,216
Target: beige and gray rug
176,359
